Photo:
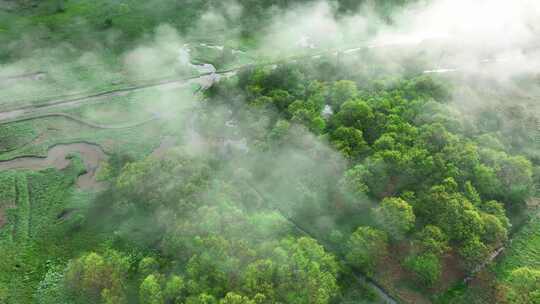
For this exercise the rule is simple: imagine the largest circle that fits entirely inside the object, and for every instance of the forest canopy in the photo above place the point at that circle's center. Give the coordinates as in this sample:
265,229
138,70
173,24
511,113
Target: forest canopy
187,152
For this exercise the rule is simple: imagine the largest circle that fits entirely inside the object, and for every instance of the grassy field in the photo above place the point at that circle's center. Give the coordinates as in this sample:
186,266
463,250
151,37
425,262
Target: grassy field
62,80
59,80
33,233
86,24
14,136
137,106
523,251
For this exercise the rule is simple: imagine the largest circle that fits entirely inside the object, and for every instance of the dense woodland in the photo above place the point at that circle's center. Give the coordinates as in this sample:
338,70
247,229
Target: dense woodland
340,173
290,219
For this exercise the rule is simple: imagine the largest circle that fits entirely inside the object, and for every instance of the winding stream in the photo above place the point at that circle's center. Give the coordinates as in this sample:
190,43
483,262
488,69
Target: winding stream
57,157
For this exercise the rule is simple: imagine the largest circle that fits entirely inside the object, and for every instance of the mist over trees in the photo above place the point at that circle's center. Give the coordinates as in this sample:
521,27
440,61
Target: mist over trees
285,182
224,218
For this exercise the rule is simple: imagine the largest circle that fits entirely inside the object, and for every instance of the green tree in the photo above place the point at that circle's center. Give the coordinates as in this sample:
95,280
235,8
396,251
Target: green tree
308,114
150,291
353,187
350,142
366,247
202,298
259,278
473,252
174,289
342,91
496,209
233,298
297,271
515,174
449,210
209,270
305,272
471,194
355,114
396,217
150,183
486,182
503,177
431,239
426,267
435,137
314,122
393,171
495,232
96,278
281,98
147,266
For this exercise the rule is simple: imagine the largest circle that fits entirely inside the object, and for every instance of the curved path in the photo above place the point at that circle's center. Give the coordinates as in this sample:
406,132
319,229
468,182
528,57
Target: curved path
27,111
85,122
31,75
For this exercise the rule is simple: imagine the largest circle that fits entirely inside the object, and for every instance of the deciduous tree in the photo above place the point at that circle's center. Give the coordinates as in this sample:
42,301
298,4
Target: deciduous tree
396,217
366,247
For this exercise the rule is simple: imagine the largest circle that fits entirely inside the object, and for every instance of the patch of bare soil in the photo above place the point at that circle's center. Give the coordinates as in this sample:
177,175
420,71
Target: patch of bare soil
484,287
452,272
393,277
